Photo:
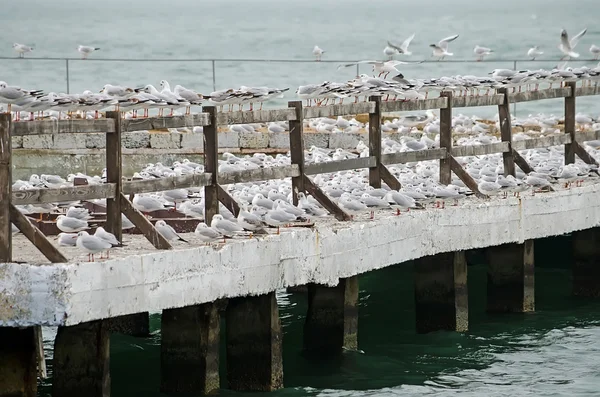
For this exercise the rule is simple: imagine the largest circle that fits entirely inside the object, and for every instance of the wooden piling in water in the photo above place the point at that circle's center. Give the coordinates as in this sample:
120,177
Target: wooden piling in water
18,376
586,263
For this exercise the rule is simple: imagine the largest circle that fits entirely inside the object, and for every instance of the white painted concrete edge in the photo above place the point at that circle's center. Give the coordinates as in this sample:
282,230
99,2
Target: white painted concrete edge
74,293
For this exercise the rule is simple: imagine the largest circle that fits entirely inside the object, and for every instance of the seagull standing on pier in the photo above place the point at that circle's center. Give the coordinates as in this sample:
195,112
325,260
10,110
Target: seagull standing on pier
22,49
318,53
440,50
91,244
567,46
595,51
480,52
167,231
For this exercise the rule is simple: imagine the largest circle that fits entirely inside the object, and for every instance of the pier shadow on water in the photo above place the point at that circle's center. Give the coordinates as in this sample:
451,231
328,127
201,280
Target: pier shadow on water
391,354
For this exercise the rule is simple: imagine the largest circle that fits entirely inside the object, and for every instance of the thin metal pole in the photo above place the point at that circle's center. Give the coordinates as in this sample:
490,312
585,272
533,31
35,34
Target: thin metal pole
357,70
214,75
514,112
67,70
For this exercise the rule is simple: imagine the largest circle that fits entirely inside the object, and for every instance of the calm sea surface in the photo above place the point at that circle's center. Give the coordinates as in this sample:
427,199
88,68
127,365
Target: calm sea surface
552,352
274,29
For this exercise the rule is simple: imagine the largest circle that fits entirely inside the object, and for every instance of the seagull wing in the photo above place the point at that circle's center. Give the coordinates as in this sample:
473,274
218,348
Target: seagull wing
395,47
347,65
406,43
444,42
573,42
396,63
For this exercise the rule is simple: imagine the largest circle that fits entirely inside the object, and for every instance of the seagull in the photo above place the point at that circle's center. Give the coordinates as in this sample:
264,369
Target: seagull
440,50
480,52
108,237
567,46
595,51
22,49
399,49
167,231
224,226
207,234
85,50
534,52
79,213
91,244
318,52
71,225
278,217
67,239
379,67
250,221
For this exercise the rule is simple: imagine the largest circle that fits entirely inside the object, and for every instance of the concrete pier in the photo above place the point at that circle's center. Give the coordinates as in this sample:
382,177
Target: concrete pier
441,297
254,344
82,361
511,278
18,364
332,317
189,353
586,263
137,324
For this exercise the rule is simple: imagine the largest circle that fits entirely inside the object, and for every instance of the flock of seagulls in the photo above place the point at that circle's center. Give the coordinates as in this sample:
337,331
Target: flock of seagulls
84,50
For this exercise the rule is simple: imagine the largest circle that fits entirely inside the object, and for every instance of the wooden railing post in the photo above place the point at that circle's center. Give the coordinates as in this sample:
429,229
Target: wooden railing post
375,141
5,187
211,164
506,132
297,148
570,148
446,138
114,174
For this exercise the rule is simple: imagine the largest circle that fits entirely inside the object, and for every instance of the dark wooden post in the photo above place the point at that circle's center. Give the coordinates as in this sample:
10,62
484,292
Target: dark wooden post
114,174
375,141
18,376
570,123
5,187
446,138
297,148
506,133
211,164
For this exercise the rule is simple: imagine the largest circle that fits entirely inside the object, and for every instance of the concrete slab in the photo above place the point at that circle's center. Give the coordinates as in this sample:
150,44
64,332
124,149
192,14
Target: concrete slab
150,280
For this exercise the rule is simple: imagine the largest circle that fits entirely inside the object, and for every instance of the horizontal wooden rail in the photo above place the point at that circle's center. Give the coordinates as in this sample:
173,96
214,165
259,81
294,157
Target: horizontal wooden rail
63,194
587,136
167,183
260,174
157,123
340,165
20,128
546,141
475,101
406,106
338,110
255,116
480,150
411,157
587,91
549,93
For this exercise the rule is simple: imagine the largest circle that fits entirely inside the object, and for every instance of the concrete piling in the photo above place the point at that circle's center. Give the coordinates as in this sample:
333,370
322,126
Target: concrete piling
82,361
254,344
332,317
510,278
137,324
189,353
441,298
18,376
586,263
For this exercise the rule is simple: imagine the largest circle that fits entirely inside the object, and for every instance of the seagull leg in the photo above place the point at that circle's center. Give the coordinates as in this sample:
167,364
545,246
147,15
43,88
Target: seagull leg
277,229
251,106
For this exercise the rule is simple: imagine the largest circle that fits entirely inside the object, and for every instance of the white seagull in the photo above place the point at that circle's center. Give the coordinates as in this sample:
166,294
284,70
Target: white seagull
480,52
91,244
595,51
207,234
391,49
567,46
440,50
534,52
86,50
318,52
167,231
22,49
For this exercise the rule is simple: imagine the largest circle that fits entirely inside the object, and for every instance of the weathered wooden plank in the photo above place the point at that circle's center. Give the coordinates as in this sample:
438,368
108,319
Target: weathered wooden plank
338,110
325,201
157,123
211,165
144,225
464,176
114,174
521,162
406,106
474,101
546,141
62,127
375,142
388,178
570,123
480,150
63,194
506,132
34,235
583,154
414,156
228,201
549,93
255,116
168,183
259,174
297,148
586,91
446,138
340,165
5,187
581,136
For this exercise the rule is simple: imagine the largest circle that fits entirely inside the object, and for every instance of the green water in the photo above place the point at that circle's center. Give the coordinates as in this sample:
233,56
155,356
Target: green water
553,351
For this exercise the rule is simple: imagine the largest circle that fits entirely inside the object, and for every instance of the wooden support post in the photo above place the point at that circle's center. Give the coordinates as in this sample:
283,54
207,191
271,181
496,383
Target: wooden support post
586,262
82,361
228,201
570,122
463,175
5,187
189,350
332,319
18,377
446,138
144,225
521,162
254,344
325,201
506,132
510,278
297,148
114,175
441,292
583,154
34,235
211,164
388,178
375,141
